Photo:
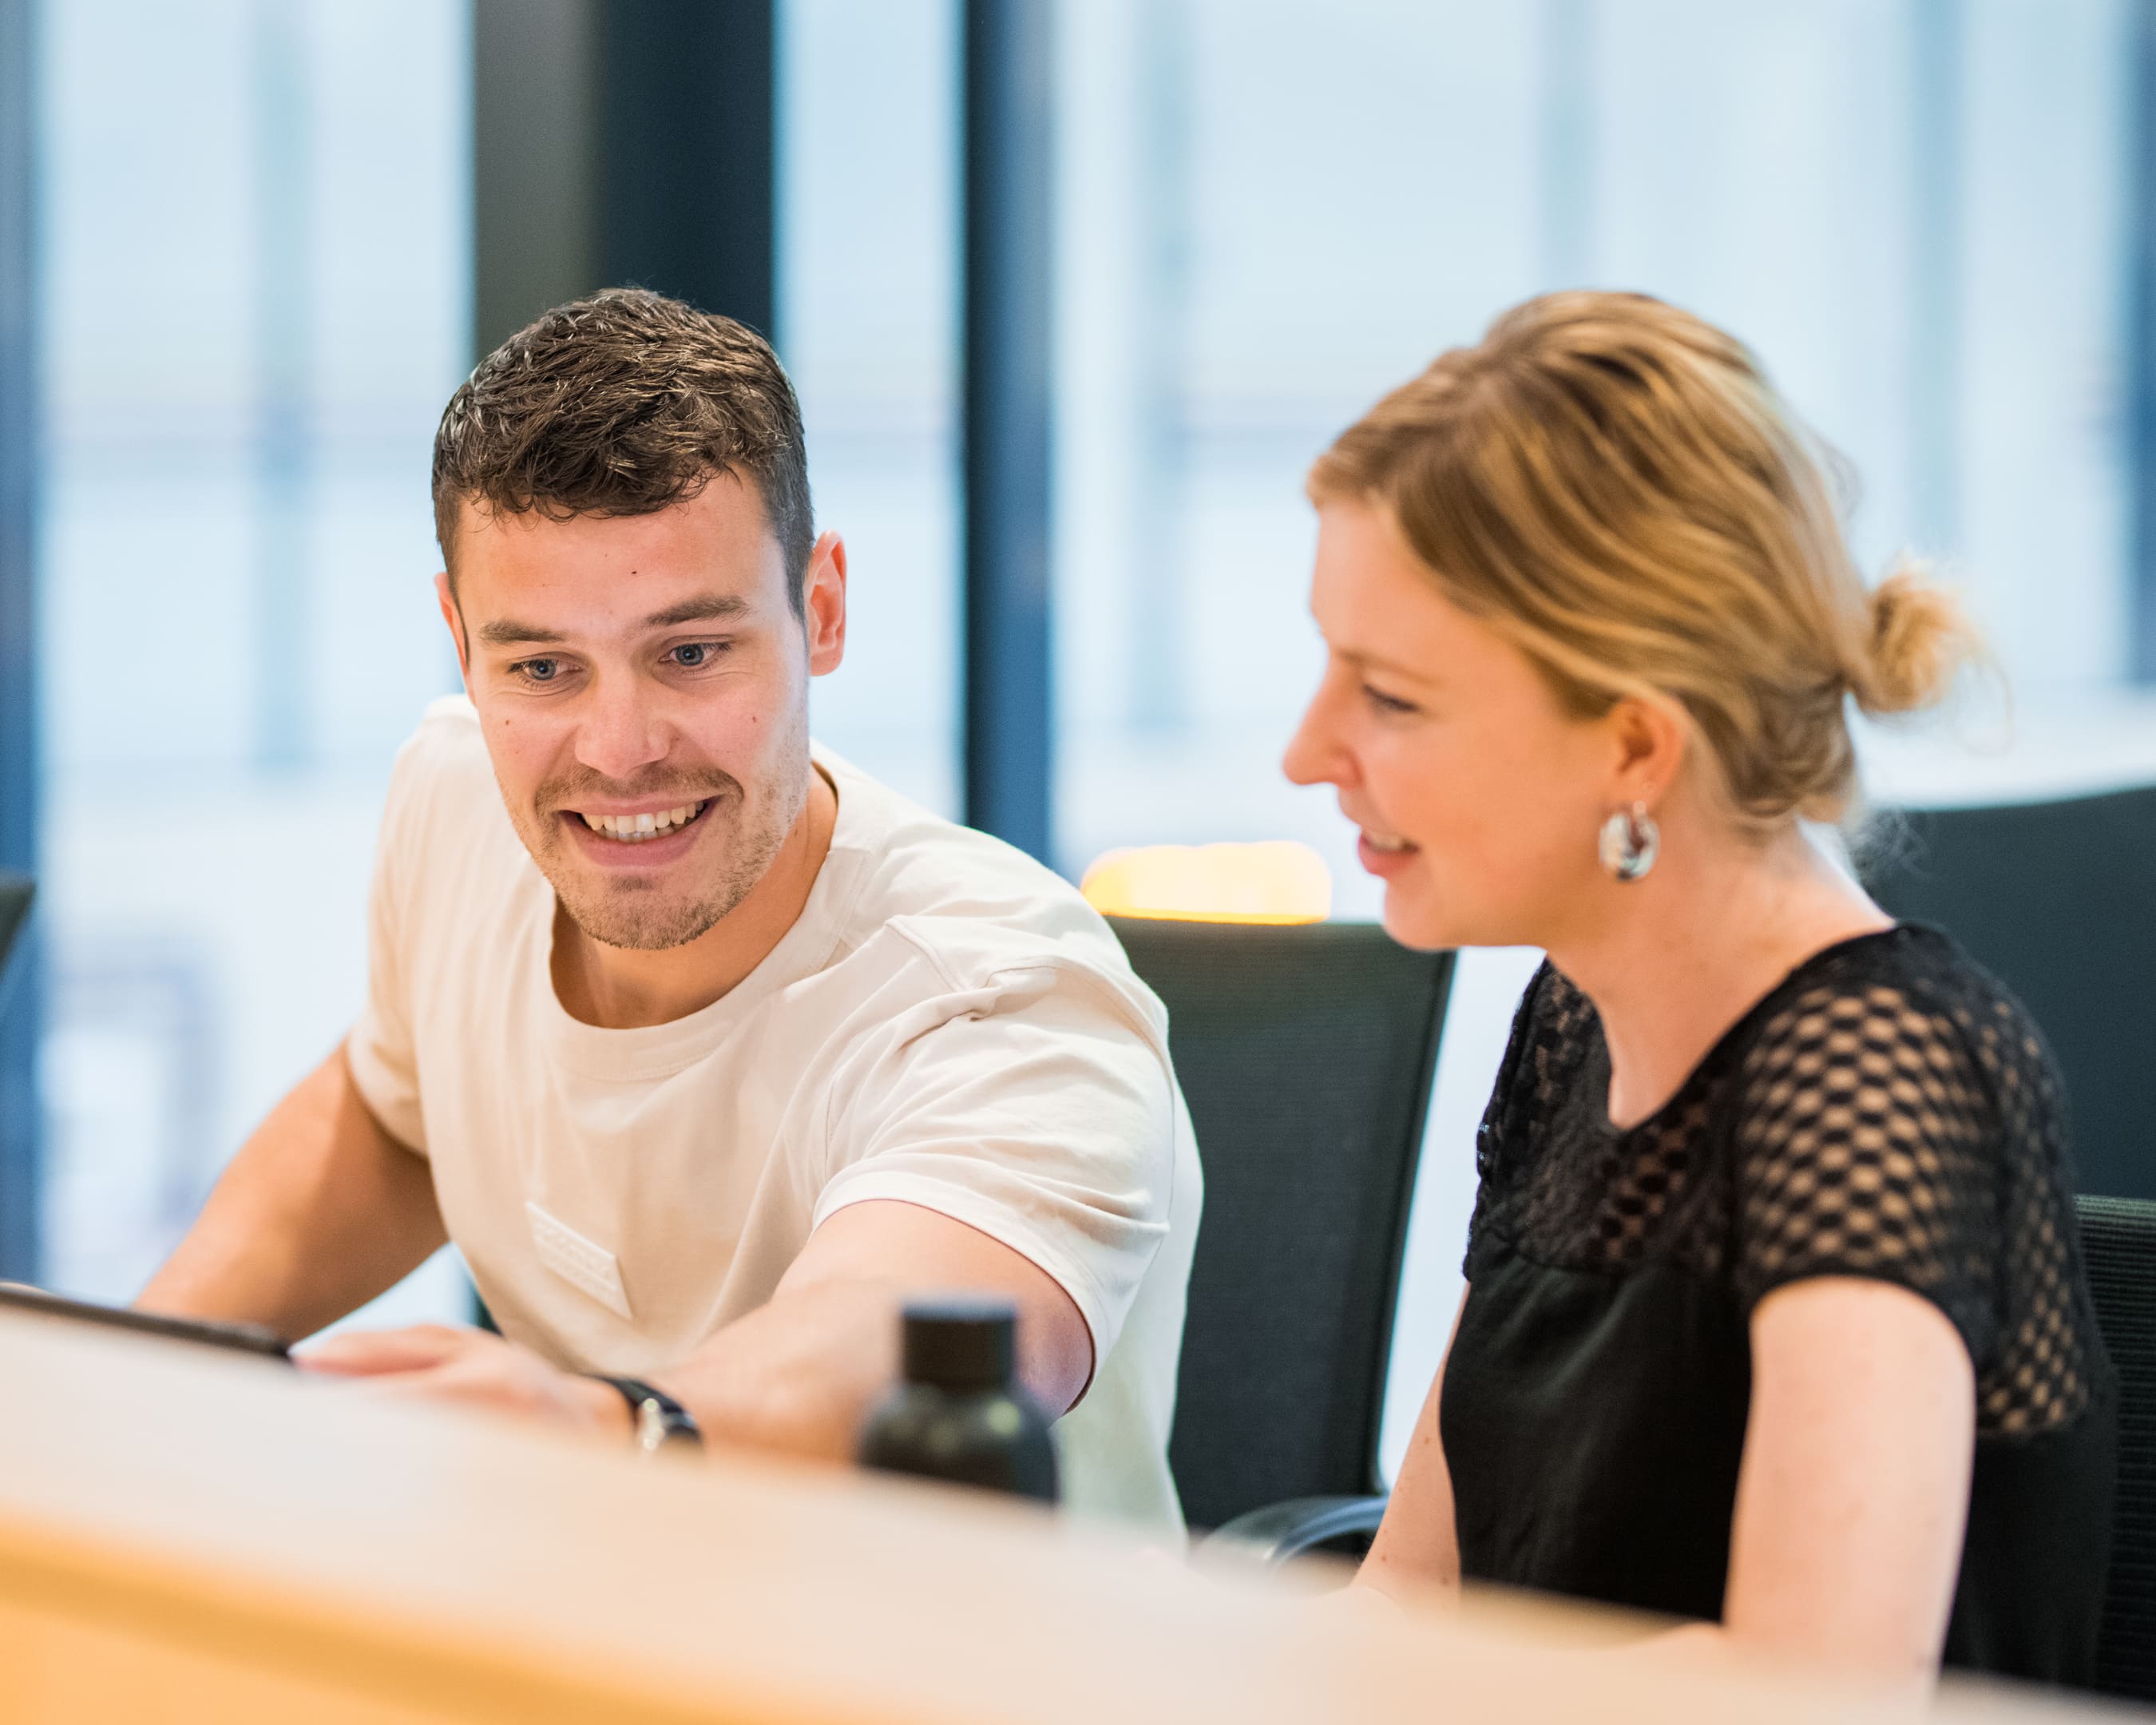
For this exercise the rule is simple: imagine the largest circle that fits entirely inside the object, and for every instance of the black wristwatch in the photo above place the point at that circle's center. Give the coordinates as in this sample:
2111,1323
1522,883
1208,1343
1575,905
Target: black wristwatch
661,1422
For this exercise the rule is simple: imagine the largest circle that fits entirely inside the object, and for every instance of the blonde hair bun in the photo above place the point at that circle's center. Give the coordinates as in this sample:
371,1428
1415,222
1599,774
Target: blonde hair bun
1920,640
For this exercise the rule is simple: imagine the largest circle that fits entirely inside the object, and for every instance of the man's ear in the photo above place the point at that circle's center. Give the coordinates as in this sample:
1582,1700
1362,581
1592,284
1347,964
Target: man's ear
823,605
446,596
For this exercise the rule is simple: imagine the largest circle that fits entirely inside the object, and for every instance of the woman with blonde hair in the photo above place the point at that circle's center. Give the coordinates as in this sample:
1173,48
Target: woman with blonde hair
1775,1315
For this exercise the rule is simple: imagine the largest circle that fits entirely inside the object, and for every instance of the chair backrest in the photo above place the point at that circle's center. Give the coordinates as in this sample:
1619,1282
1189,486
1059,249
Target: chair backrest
2118,1243
2058,901
1306,1054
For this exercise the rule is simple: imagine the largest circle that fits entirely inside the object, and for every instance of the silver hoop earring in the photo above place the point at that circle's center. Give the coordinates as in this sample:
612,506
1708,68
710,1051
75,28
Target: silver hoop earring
1630,842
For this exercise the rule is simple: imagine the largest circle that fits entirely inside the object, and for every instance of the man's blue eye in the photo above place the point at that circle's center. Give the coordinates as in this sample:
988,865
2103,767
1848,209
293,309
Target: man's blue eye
540,670
690,655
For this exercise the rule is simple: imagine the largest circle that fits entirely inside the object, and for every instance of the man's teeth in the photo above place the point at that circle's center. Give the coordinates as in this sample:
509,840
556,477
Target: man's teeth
1376,842
635,829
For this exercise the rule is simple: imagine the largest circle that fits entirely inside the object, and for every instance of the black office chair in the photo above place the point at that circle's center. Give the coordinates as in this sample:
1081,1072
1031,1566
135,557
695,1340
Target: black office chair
2118,1243
16,892
2057,900
1306,1054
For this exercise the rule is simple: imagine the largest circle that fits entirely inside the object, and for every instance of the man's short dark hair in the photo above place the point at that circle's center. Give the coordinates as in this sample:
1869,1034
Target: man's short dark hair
622,403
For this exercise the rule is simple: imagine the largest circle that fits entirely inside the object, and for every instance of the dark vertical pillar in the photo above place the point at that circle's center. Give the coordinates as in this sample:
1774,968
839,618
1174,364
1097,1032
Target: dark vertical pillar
622,142
1935,275
532,121
2140,344
684,161
1008,279
20,996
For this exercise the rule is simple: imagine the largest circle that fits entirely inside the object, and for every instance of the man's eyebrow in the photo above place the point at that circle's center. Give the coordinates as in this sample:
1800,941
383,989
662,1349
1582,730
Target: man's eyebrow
710,607
507,632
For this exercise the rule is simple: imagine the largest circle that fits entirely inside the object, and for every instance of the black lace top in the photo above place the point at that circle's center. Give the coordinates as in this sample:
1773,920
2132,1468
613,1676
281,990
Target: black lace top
1887,1110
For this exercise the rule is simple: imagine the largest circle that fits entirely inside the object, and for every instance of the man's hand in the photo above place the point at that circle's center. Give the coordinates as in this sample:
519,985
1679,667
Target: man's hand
442,1362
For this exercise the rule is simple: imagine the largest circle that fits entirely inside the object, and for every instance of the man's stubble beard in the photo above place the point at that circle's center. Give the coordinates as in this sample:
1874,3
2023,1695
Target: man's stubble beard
633,915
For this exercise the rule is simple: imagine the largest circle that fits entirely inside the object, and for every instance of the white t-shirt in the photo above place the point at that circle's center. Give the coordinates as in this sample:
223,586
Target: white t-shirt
947,1022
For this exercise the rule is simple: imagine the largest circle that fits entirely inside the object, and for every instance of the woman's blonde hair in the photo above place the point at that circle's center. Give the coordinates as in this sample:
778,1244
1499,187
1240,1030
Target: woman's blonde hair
1613,483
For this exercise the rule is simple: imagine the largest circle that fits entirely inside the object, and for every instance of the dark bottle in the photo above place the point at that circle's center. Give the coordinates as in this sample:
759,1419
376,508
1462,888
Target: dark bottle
959,1416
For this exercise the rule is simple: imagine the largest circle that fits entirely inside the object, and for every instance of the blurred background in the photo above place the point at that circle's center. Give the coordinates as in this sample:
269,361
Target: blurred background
1160,249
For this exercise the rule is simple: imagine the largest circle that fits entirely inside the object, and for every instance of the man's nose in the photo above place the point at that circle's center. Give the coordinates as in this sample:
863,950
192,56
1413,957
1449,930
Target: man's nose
620,732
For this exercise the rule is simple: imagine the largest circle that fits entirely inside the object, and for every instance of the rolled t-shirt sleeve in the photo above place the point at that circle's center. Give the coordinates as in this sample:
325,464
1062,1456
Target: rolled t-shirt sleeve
1037,1109
380,1050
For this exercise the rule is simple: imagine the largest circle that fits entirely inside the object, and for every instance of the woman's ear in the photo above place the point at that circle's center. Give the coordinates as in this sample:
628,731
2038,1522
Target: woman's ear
1650,738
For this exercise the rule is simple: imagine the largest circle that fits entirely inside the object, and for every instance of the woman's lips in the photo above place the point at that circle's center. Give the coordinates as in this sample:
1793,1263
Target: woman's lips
1384,860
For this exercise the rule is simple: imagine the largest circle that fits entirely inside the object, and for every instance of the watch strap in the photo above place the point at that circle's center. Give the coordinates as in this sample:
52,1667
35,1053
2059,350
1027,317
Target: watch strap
661,1422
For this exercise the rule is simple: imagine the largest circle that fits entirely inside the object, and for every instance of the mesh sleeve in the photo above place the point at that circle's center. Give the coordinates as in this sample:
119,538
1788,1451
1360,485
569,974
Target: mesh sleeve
1504,1095
1867,1145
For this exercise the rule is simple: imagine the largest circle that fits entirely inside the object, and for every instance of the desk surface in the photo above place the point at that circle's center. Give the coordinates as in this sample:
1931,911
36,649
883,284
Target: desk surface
188,1535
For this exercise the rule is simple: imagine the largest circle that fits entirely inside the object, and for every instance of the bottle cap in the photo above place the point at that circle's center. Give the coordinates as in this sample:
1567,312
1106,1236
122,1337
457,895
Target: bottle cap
960,1342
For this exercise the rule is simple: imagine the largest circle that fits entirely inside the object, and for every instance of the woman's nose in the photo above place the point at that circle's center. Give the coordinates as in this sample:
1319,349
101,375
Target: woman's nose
1314,754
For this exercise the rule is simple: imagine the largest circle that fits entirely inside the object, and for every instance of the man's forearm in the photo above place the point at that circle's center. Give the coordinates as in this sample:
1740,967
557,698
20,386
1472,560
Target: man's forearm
799,1374
319,1212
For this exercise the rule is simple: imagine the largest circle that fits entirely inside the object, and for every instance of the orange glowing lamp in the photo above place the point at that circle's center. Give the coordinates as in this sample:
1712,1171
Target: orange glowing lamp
1275,881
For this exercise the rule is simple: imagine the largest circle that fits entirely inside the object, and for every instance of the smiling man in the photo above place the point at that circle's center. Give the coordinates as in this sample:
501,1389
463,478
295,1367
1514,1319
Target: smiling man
705,1049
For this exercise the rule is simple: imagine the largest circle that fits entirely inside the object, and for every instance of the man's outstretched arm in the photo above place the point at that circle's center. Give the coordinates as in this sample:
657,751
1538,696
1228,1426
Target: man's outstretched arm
320,1211
800,1373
